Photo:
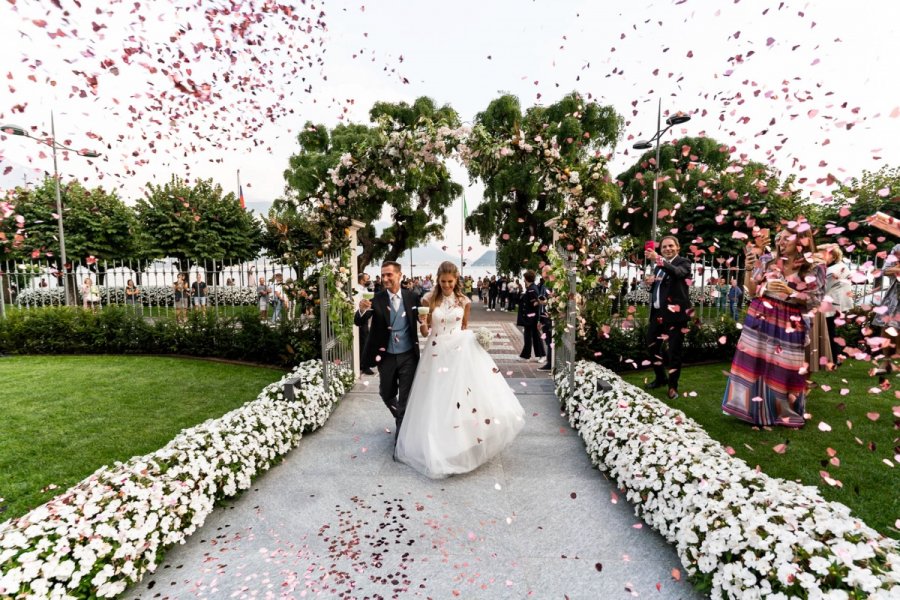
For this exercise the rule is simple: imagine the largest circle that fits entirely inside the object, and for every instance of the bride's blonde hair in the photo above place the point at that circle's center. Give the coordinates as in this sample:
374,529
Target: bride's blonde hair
446,268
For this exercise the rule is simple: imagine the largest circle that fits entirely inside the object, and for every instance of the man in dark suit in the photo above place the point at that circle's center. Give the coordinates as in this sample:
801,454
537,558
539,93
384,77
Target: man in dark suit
393,341
362,288
670,312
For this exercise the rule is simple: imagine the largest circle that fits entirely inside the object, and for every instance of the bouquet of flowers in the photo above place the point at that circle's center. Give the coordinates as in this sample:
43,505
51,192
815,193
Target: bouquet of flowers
484,337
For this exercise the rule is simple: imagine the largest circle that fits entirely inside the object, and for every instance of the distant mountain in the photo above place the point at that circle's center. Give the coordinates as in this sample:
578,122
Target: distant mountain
488,259
427,255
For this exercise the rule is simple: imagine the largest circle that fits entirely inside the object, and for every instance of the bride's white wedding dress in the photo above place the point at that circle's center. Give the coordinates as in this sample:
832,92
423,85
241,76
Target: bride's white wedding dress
461,411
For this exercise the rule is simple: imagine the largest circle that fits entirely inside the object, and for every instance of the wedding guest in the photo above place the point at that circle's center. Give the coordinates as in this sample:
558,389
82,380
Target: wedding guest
90,294
132,296
262,299
818,349
364,319
887,316
277,297
766,385
493,292
182,293
735,296
546,320
670,308
198,291
838,289
528,318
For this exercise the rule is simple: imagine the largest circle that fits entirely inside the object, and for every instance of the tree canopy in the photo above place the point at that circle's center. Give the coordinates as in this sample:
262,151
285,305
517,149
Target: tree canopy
708,198
355,172
97,223
862,197
527,161
197,223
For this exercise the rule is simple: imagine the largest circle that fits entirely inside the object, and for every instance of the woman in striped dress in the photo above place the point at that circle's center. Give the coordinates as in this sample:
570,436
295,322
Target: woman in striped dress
767,385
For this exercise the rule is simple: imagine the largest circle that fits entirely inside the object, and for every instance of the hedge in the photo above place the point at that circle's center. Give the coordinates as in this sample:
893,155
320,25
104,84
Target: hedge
119,330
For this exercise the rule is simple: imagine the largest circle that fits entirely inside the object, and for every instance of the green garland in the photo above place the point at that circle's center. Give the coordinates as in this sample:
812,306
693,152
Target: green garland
336,278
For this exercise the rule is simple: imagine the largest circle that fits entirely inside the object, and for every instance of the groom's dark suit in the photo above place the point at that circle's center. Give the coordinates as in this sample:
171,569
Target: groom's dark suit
395,370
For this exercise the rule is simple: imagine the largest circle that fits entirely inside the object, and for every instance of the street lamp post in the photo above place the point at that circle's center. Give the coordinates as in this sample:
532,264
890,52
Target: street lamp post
54,145
671,121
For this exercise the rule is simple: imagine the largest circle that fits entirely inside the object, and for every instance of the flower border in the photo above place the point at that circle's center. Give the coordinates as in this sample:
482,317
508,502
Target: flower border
738,532
108,530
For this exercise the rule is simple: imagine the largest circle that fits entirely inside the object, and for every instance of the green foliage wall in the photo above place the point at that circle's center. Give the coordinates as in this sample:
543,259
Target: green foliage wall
120,331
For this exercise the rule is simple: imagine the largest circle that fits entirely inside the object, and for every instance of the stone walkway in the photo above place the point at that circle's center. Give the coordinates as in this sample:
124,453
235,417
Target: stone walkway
338,518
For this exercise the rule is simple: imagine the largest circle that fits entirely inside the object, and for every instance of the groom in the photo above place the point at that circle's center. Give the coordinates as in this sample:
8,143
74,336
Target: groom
393,341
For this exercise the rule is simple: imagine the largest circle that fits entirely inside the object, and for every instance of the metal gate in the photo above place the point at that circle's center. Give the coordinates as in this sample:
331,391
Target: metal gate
337,347
564,351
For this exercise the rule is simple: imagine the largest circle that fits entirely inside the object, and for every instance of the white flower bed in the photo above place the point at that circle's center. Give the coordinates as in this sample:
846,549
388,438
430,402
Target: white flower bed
111,528
739,533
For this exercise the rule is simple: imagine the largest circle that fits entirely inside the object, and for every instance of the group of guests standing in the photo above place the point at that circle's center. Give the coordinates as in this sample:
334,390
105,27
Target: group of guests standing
797,294
499,293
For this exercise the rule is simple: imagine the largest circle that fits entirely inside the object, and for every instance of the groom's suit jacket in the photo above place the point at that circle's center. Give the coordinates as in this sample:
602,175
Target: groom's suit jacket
379,326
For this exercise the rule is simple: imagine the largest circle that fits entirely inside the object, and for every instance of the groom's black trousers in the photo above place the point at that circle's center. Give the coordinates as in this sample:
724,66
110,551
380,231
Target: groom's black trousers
396,372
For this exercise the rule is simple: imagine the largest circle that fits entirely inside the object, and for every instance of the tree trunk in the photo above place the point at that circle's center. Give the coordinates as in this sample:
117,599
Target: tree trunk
398,245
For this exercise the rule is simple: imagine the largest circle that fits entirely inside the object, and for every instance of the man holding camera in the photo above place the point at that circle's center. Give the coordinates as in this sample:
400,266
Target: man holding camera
670,309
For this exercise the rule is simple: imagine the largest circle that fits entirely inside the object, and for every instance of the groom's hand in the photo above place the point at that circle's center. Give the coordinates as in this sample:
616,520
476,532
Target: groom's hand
364,305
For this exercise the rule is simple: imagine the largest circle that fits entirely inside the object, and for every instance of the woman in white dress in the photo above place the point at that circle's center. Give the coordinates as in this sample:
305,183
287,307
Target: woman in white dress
461,411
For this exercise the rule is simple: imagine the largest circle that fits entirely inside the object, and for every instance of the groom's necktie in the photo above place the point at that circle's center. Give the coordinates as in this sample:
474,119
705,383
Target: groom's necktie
395,302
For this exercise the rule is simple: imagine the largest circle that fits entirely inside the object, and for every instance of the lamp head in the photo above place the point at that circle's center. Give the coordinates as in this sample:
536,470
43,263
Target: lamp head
678,118
13,130
89,153
642,145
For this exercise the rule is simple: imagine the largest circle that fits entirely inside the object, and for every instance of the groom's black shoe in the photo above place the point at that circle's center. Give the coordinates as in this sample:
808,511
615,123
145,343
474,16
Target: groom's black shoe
656,384
368,372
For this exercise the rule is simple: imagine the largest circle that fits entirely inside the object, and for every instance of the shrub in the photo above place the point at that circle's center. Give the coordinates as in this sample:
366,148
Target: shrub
118,330
621,349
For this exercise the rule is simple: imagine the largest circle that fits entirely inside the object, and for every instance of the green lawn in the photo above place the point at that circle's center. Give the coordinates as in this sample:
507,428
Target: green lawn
870,487
66,416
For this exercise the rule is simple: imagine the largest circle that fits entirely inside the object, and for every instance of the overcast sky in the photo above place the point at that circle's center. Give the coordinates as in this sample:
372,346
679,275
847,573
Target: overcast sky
810,87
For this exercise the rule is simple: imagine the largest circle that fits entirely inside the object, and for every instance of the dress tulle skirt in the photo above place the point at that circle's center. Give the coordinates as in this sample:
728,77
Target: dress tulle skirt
765,386
461,411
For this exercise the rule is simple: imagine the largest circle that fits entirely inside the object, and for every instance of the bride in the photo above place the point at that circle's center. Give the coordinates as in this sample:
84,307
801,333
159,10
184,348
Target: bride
461,411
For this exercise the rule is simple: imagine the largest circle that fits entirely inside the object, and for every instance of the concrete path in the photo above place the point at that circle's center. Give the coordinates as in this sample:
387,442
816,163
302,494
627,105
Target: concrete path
338,518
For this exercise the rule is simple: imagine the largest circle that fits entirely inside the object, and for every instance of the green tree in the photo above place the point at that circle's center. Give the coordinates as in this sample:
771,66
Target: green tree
523,157
355,172
197,223
296,221
846,216
96,223
293,236
705,195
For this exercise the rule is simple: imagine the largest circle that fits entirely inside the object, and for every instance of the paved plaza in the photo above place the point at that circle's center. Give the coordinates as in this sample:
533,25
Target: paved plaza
340,519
